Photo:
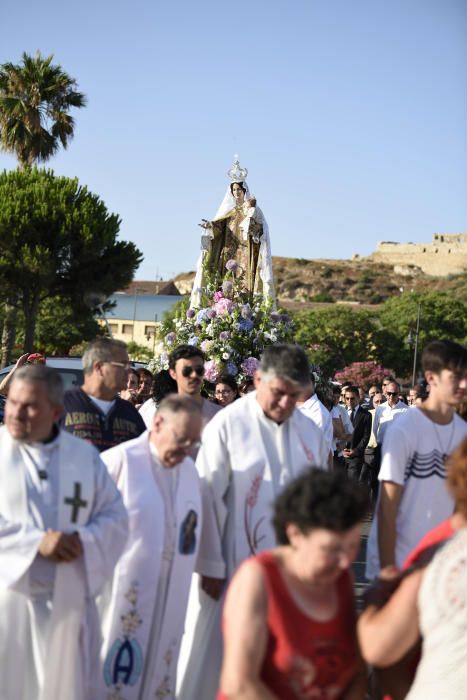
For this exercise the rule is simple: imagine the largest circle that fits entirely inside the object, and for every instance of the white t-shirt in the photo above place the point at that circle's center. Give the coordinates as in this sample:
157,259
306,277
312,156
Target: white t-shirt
319,414
105,406
339,411
413,456
384,415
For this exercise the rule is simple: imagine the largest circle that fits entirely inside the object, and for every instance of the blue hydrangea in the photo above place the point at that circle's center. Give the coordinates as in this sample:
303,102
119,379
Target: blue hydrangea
231,368
202,316
246,325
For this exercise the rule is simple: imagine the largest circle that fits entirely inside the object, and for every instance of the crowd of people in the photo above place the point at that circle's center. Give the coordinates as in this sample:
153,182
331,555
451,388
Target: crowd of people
165,538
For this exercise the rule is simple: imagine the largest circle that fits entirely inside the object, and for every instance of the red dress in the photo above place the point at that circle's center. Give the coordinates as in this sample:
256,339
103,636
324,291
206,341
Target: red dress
306,659
440,533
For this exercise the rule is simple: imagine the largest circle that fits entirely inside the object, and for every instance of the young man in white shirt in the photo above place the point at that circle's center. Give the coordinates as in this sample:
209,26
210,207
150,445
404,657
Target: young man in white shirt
413,497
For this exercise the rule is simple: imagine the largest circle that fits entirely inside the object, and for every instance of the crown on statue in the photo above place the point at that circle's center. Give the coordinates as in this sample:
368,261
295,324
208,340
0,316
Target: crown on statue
236,172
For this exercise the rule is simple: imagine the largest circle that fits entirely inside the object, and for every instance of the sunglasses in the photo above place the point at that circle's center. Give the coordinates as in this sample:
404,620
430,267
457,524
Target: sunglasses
392,393
188,371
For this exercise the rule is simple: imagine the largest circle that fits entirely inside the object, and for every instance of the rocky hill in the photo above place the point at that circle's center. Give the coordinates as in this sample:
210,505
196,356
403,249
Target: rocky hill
301,282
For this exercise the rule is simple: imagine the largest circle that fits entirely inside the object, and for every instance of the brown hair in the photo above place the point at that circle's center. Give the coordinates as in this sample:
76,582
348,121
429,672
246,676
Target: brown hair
457,476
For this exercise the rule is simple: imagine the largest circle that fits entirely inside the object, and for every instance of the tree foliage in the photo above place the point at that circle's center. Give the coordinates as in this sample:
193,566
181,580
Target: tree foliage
440,317
35,100
339,336
57,240
61,326
335,337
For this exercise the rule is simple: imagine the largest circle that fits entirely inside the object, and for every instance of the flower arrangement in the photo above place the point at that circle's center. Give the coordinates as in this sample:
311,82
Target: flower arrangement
231,328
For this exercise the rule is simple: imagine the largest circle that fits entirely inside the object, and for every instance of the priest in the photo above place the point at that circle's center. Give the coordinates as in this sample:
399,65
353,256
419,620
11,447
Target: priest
63,527
250,450
145,610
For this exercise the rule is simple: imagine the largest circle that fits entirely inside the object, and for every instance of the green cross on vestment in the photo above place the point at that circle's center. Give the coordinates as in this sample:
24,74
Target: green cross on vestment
76,502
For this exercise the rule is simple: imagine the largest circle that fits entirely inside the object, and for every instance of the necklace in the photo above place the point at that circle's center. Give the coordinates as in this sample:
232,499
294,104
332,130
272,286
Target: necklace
447,451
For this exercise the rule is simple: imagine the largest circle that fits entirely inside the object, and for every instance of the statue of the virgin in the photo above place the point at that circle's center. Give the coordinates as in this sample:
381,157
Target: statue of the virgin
238,232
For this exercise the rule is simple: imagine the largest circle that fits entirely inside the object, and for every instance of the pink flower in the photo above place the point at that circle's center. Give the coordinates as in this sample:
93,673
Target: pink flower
211,371
223,306
218,296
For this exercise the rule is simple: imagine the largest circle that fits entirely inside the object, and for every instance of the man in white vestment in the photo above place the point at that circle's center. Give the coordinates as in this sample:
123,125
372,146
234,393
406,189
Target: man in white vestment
145,611
63,527
250,450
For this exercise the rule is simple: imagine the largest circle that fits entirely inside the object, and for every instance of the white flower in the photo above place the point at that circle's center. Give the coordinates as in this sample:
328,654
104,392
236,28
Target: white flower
225,355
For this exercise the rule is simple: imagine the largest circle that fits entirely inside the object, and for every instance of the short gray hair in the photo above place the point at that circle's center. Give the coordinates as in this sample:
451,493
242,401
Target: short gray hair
287,362
41,373
175,403
100,350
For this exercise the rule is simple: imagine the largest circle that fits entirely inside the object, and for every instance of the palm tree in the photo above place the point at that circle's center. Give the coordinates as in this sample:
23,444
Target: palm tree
35,100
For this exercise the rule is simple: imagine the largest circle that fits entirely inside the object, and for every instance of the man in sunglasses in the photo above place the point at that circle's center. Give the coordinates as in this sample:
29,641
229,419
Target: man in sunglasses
94,411
186,366
388,411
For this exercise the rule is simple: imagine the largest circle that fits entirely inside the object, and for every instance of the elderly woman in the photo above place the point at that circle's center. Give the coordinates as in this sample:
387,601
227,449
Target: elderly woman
289,616
429,602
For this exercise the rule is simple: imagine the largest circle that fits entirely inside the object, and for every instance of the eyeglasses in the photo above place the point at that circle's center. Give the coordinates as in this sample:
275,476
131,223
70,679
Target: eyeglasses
188,371
392,393
185,444
123,365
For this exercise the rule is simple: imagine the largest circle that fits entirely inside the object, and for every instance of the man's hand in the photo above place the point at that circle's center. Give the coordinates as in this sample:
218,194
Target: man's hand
212,586
347,453
22,360
59,546
383,587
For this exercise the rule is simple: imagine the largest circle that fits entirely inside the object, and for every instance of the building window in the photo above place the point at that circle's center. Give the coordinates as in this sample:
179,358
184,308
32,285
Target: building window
127,328
113,327
149,331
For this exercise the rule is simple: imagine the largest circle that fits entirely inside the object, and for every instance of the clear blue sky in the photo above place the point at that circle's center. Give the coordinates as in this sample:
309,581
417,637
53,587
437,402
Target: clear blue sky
350,116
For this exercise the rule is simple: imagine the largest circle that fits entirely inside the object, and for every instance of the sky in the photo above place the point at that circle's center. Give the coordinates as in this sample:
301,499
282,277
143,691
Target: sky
351,117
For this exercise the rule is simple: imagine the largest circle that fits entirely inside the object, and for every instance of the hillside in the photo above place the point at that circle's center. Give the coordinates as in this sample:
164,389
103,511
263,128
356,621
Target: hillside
302,282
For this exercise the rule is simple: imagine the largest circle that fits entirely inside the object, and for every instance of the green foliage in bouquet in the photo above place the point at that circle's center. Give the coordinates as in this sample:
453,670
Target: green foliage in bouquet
232,328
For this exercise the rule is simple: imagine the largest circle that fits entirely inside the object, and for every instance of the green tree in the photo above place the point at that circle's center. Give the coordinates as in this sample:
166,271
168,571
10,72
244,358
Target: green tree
139,353
336,336
61,325
440,317
35,102
57,239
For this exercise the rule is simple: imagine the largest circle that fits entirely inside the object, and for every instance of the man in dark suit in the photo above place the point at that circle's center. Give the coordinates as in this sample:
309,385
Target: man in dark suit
354,451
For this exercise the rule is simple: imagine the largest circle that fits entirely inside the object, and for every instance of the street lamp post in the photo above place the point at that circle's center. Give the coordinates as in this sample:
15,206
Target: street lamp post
411,341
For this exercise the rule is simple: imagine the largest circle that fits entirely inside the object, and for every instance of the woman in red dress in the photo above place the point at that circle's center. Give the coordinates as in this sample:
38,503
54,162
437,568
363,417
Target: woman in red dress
289,615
